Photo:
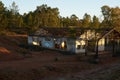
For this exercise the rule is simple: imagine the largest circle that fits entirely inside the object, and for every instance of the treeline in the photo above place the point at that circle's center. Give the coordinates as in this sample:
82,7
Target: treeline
44,16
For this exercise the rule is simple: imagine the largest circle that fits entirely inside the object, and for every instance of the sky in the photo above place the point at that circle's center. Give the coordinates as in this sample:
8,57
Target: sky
66,7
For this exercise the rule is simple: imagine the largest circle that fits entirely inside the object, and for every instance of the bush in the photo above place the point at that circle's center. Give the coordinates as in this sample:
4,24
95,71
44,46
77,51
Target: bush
24,52
24,46
56,59
35,48
4,32
117,53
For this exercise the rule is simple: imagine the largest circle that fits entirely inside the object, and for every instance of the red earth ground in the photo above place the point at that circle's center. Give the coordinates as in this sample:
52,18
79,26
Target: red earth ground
52,65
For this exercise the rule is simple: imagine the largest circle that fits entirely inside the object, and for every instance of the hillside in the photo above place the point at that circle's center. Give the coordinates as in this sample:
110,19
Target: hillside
52,65
9,46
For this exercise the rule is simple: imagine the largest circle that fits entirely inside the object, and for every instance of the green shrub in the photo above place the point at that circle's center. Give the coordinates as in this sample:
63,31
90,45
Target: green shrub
24,52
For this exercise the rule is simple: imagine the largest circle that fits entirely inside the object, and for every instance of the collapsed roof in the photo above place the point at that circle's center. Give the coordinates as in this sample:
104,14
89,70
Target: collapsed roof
91,33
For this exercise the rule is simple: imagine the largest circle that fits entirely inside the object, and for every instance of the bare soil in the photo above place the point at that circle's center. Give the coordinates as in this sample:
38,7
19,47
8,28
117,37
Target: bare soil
52,65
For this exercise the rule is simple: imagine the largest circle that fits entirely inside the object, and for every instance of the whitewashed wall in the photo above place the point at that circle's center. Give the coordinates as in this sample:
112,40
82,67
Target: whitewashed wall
101,44
81,43
71,45
30,40
48,44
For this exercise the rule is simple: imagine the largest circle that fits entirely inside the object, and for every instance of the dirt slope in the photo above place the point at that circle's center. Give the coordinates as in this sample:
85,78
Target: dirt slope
51,65
9,46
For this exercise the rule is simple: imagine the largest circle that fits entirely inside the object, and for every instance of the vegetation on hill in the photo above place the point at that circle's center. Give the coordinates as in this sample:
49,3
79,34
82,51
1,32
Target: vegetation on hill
44,16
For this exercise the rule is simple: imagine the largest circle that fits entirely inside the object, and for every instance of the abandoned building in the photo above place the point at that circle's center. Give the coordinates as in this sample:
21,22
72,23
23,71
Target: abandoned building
75,40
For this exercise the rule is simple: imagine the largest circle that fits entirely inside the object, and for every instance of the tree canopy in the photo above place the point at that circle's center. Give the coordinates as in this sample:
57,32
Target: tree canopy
111,17
46,16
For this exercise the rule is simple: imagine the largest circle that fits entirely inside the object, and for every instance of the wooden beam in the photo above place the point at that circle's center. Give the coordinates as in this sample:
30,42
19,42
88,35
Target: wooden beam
86,44
113,45
96,55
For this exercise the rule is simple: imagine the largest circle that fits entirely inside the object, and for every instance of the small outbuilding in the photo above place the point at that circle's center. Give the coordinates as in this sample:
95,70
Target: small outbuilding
74,40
